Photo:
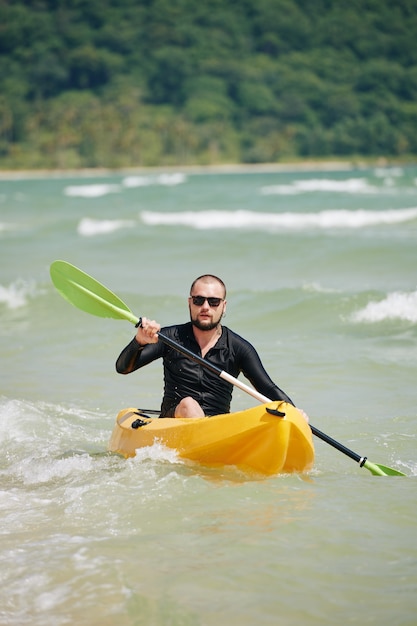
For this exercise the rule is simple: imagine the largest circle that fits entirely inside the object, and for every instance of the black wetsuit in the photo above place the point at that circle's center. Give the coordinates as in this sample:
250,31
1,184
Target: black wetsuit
184,377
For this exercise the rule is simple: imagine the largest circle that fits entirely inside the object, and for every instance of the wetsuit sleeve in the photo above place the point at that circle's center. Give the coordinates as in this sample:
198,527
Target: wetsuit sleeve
252,368
135,356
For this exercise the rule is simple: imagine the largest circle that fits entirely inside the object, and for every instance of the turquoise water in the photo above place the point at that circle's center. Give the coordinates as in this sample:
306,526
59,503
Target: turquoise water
321,268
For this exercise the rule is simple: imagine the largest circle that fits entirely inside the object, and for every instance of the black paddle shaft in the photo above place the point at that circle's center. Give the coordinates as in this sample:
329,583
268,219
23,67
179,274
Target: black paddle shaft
339,446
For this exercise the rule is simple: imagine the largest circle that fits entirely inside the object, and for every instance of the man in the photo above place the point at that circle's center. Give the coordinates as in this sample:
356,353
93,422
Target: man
191,390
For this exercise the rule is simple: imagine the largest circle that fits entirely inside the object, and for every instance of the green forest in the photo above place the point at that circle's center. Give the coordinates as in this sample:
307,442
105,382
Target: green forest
137,83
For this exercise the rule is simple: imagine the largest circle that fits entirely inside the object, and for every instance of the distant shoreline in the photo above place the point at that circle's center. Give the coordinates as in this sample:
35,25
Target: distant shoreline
238,168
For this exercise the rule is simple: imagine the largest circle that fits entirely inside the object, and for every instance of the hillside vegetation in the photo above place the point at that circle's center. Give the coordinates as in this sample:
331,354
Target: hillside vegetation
116,83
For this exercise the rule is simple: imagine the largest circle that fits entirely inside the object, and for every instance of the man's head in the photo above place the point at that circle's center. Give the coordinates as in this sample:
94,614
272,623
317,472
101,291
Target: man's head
207,301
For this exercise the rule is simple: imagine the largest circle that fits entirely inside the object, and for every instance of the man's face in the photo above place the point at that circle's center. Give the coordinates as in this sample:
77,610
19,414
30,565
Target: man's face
207,304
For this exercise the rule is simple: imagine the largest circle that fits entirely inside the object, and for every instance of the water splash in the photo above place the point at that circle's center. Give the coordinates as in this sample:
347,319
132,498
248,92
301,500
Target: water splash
18,293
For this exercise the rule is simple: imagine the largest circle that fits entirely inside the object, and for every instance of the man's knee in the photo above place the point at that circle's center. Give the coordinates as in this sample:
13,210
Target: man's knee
188,407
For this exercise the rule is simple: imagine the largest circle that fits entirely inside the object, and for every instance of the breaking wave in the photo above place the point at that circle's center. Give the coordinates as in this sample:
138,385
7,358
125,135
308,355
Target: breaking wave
326,185
91,191
396,306
267,221
97,190
89,227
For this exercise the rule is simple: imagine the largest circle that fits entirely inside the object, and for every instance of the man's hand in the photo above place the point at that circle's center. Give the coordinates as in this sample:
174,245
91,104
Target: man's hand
147,332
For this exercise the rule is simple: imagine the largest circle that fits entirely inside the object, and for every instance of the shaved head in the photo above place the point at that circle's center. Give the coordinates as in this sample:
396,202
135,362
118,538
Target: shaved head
209,278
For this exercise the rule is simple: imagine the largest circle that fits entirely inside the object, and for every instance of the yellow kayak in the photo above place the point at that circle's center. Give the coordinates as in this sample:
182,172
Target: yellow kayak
255,440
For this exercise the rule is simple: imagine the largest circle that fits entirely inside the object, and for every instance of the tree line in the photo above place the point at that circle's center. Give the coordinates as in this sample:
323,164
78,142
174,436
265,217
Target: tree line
118,83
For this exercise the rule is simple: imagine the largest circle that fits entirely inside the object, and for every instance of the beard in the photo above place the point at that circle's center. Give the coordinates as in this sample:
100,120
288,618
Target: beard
205,326
200,326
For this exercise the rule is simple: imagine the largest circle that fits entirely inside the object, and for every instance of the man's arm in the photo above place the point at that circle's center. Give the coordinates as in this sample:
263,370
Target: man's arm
253,369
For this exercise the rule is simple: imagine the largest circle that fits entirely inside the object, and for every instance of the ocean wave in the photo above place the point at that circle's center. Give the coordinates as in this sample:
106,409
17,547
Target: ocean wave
91,191
318,288
388,172
277,221
136,181
89,227
7,227
97,190
17,294
12,228
396,306
351,185
169,180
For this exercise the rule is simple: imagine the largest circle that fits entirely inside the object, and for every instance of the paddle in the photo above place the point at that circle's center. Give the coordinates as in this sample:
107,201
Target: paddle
90,296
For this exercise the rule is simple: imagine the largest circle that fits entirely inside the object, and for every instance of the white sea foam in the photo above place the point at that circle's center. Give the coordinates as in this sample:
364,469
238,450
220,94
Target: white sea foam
318,288
4,226
176,178
351,185
276,221
136,181
102,189
396,306
17,294
89,227
44,470
156,452
390,172
91,191
169,180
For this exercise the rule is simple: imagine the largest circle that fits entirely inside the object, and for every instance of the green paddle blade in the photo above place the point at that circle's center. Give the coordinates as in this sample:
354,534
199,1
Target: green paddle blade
88,294
381,470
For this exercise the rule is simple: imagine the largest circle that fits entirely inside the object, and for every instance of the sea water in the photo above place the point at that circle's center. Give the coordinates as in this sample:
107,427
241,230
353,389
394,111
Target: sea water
321,269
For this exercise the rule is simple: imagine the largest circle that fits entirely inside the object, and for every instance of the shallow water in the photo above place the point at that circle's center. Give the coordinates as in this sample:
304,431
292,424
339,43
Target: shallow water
321,275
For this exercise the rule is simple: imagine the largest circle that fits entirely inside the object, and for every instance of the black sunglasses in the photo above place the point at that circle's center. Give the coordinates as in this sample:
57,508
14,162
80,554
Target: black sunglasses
200,300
